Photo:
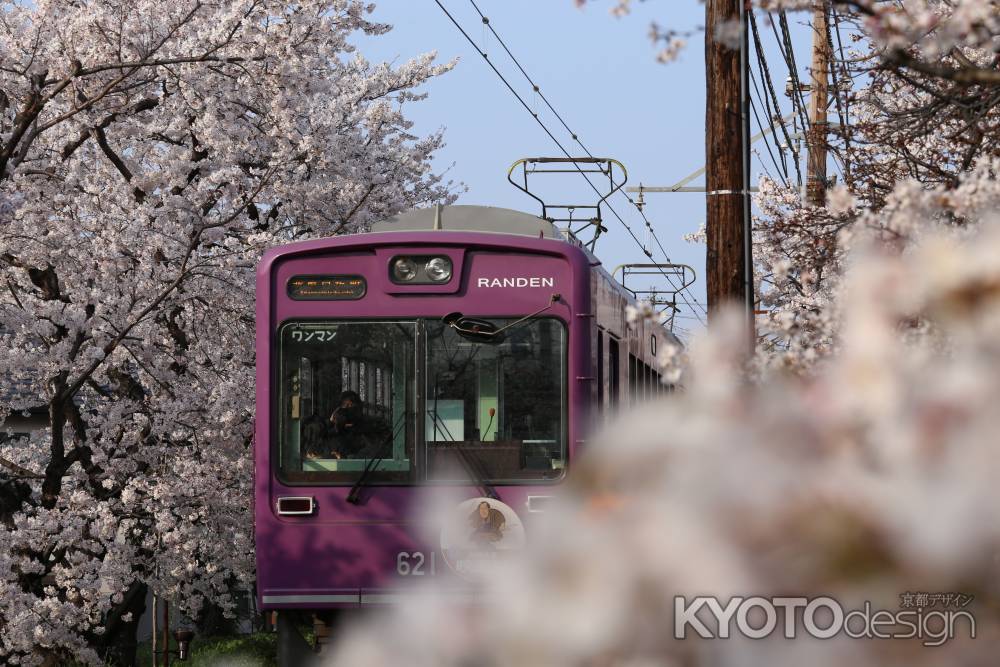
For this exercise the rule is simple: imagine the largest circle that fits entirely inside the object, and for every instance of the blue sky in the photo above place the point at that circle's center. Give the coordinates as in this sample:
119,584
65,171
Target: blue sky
601,75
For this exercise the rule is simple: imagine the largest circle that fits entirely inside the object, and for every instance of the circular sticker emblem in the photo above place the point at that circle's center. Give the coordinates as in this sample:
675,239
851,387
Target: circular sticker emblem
478,534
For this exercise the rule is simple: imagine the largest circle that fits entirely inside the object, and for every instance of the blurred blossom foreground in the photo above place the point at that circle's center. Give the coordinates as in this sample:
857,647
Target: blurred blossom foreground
874,475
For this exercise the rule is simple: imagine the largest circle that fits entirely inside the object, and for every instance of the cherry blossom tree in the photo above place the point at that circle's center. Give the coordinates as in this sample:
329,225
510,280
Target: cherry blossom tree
149,151
923,121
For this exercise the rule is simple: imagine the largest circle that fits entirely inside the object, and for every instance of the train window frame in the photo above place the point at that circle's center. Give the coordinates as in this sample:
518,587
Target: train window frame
614,371
564,414
419,459
633,379
320,478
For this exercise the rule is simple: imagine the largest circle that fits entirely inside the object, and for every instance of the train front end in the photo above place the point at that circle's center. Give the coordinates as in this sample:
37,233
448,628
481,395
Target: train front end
452,354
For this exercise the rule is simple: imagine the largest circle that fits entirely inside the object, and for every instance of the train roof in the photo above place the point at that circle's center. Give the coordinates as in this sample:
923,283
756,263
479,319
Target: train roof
465,218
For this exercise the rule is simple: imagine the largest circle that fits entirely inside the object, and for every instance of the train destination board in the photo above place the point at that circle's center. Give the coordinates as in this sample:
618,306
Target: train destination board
327,288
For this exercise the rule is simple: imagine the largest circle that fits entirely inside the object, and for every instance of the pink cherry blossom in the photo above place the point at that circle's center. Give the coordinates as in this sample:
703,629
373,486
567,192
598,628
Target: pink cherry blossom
149,152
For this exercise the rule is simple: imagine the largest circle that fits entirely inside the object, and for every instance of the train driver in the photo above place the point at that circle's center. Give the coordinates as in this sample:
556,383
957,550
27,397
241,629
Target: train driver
346,434
350,430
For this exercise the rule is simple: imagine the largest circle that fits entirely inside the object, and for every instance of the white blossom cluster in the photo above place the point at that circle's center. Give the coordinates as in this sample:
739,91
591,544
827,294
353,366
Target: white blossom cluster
801,253
149,152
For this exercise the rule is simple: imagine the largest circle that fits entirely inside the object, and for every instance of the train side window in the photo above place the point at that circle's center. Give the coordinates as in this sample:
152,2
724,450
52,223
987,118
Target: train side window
600,369
614,370
633,377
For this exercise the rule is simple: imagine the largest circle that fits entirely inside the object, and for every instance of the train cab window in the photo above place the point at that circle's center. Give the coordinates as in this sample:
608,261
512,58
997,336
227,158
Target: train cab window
346,401
496,411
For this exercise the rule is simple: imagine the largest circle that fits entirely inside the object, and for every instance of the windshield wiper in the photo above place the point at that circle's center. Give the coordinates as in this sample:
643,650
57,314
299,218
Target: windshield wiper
354,495
477,474
485,331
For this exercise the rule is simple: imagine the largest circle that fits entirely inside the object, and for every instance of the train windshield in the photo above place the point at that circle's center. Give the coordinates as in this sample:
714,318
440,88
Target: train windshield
347,401
490,412
496,411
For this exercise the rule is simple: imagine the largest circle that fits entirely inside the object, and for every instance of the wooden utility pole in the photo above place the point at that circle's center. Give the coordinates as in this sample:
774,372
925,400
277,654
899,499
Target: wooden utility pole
818,94
727,206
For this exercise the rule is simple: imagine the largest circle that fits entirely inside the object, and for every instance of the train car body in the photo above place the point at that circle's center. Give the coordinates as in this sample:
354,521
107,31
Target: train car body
500,419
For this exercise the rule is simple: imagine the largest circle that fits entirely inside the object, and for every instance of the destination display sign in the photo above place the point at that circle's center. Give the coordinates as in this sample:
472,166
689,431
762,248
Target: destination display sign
327,288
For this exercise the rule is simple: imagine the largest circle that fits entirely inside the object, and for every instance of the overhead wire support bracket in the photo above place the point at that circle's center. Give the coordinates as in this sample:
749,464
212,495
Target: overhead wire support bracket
685,274
564,213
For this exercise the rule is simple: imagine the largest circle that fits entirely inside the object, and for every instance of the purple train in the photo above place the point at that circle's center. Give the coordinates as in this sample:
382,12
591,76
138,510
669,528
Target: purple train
466,346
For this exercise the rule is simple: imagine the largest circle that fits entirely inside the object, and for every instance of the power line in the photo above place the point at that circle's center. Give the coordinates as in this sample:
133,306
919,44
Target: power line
765,75
767,143
788,54
575,137
843,108
770,113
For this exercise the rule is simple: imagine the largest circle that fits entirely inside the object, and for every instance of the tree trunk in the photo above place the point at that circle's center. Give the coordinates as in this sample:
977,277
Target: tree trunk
119,643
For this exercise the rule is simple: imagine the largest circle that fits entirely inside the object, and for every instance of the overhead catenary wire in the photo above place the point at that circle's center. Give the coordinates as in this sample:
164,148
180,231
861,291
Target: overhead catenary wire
769,114
788,54
768,82
537,89
843,105
534,86
782,170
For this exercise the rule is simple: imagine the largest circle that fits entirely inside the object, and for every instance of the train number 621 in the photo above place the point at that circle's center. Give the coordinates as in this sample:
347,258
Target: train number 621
411,564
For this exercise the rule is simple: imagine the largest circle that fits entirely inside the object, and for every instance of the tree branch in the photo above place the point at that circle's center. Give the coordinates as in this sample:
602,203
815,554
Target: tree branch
102,141
21,471
963,75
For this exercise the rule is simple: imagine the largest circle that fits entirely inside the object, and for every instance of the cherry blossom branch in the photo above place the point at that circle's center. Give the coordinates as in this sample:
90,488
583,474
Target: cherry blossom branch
74,386
963,75
21,471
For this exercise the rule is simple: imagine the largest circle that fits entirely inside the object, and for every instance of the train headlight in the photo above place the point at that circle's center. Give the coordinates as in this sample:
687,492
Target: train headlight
404,269
439,269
